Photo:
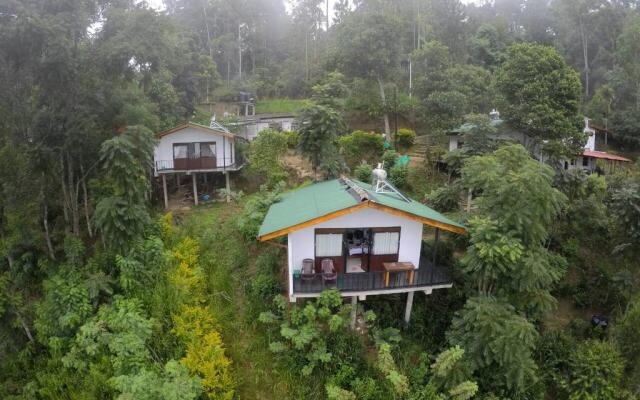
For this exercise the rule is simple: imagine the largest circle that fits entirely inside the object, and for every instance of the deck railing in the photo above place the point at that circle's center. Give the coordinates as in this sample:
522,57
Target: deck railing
426,275
202,163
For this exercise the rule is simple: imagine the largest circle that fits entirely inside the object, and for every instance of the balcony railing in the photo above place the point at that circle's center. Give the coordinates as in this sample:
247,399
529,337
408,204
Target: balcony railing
425,276
201,163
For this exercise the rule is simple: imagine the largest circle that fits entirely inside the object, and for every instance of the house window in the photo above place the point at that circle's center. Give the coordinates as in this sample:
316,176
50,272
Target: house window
208,149
585,161
329,245
573,161
180,150
386,242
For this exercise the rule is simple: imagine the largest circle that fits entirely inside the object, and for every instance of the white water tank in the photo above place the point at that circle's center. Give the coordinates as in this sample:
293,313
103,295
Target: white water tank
378,175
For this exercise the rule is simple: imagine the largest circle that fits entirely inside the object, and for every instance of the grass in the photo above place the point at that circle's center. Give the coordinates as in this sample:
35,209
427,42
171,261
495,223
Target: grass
228,263
280,105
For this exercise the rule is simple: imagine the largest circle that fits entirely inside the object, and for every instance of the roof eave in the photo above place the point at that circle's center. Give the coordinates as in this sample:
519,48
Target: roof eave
365,204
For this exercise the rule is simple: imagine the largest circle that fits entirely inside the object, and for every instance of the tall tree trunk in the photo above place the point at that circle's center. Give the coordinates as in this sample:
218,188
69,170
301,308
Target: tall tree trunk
47,236
24,325
65,195
73,198
387,129
85,196
585,54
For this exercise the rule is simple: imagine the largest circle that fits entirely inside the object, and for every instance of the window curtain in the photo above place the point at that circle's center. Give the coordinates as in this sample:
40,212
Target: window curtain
207,149
329,245
385,242
180,151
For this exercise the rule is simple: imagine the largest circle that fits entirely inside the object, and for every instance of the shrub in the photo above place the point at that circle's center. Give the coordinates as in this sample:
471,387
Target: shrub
405,138
265,155
363,172
255,209
292,139
444,198
359,145
389,159
595,371
398,175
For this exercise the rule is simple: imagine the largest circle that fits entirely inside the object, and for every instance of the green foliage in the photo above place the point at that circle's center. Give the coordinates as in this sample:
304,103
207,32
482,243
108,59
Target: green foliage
541,94
331,91
398,175
405,138
307,332
319,129
359,146
265,155
119,331
63,309
498,343
627,338
552,354
595,371
504,179
255,210
363,172
506,255
389,159
445,198
121,214
173,383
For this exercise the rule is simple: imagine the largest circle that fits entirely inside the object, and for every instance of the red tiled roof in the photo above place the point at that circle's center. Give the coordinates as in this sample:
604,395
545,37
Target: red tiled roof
604,155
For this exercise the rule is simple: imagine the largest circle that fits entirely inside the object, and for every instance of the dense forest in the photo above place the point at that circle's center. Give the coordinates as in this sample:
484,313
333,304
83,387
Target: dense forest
105,295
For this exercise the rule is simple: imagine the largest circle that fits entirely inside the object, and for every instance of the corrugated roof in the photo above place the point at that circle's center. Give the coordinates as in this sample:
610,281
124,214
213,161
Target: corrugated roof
330,199
195,126
604,155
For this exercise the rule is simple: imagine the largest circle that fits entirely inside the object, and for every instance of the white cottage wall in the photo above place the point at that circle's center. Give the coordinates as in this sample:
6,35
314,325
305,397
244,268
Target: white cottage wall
164,148
301,243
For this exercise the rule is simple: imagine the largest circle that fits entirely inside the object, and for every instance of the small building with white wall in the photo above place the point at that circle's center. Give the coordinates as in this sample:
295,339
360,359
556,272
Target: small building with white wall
196,150
370,237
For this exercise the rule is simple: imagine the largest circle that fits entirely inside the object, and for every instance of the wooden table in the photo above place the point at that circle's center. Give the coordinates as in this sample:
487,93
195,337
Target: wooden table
397,267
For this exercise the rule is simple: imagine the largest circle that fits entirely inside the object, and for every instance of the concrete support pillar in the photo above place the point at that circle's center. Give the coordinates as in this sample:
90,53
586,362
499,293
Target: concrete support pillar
354,309
195,188
228,186
164,191
407,308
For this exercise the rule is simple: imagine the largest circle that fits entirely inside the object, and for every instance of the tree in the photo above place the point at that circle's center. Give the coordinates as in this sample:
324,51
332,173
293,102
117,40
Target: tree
496,338
121,214
541,95
507,254
319,129
265,155
367,48
508,266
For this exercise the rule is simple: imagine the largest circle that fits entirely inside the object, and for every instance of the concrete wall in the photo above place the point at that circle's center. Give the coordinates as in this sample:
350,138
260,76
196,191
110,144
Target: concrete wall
224,157
301,244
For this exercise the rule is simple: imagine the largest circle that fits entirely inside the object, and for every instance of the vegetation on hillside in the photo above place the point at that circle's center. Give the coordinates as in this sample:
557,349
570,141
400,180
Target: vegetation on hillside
104,296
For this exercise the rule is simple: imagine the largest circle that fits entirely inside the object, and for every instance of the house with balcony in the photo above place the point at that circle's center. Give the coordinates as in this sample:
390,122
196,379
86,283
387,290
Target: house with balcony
198,151
362,239
590,159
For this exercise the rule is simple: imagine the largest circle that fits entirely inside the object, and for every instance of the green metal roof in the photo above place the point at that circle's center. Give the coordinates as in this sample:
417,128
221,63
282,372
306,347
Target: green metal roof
324,198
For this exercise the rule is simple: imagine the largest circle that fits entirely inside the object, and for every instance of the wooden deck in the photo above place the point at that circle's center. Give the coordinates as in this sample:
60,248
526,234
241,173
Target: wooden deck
426,276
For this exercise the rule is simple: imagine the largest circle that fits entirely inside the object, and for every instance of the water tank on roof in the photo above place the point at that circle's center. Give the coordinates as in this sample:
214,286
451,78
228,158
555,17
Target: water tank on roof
378,175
